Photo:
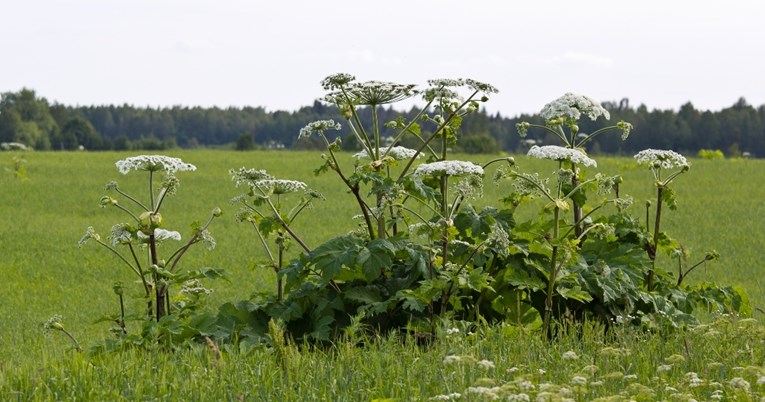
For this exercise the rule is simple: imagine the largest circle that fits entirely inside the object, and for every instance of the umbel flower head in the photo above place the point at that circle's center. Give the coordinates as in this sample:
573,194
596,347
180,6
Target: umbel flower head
318,126
658,158
277,186
372,93
448,168
573,106
561,154
154,163
397,153
248,176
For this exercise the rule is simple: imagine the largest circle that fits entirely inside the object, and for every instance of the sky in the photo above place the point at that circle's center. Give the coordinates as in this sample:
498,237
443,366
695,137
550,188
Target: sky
273,54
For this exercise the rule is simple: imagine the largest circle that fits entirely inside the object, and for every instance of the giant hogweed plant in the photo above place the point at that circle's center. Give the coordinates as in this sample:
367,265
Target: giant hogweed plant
137,242
423,254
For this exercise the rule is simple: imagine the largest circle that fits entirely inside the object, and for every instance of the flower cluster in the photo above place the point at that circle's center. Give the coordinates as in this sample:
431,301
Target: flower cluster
154,163
573,106
336,81
448,168
397,153
558,153
276,186
372,93
14,146
247,176
657,158
318,126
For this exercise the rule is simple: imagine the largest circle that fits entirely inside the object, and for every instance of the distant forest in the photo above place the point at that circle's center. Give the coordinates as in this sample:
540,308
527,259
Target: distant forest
32,120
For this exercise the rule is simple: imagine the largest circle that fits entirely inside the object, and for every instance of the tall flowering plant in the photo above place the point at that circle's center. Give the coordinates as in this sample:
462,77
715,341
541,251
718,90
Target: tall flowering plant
562,121
137,242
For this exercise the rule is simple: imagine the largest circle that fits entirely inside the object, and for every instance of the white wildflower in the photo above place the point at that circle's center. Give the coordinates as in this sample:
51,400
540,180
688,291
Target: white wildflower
159,235
448,168
452,331
664,367
526,385
336,81
275,186
570,355
90,233
717,395
372,93
657,158
574,106
739,384
486,364
518,398
206,237
153,163
121,234
447,397
485,392
578,380
247,176
451,359
446,82
558,153
318,126
194,287
481,86
397,153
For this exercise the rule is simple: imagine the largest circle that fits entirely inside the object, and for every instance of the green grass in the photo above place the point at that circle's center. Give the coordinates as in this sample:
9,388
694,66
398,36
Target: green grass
44,273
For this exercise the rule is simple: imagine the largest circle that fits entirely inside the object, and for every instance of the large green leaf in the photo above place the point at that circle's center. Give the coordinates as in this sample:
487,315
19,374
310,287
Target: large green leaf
331,256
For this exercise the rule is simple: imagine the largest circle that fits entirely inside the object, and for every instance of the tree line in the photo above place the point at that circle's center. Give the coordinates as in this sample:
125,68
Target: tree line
30,119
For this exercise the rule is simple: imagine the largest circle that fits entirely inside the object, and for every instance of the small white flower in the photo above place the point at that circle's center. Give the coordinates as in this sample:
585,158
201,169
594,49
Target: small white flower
153,163
451,359
486,392
397,153
570,355
761,381
451,331
518,398
447,397
526,385
657,158
336,81
448,168
739,383
664,367
318,126
558,153
276,186
574,106
90,233
247,176
578,380
159,235
486,364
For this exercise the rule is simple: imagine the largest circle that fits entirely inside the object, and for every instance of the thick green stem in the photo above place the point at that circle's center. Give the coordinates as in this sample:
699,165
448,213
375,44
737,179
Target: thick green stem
553,274
655,242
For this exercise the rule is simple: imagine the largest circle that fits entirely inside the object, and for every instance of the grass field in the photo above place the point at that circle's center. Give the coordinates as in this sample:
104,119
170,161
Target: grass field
44,273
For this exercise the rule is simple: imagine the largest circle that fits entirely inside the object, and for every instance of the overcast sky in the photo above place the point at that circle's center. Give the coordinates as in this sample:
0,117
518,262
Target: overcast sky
275,53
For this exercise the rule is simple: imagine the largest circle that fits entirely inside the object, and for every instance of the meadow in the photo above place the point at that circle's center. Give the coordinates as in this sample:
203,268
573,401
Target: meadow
45,273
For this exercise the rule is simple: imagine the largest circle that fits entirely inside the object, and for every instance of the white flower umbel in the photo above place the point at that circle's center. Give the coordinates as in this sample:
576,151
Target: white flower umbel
159,235
448,168
397,153
154,163
248,176
573,106
379,92
318,126
276,186
558,153
658,158
336,81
